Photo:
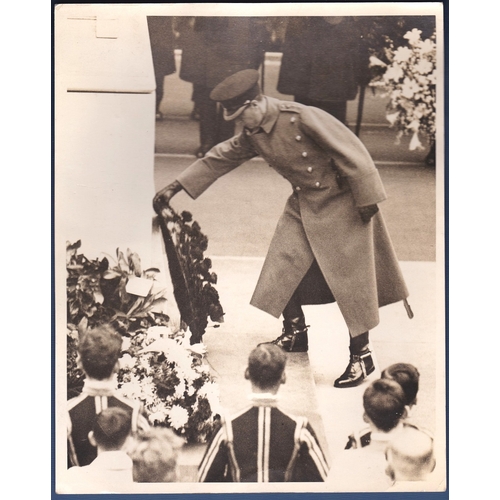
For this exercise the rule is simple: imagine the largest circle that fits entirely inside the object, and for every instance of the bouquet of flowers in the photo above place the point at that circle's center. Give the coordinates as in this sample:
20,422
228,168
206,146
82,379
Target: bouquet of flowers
162,369
410,79
159,364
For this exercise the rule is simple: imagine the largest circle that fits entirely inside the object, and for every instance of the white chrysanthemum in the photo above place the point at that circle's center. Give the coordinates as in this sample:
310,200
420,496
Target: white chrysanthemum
375,61
413,36
424,66
409,88
402,54
178,416
157,417
394,73
427,46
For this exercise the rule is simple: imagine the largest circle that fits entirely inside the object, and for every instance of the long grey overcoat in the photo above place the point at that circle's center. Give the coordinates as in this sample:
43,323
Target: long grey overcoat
332,174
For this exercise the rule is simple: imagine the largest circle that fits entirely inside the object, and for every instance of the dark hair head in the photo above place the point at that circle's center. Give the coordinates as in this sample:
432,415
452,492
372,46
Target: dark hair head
384,403
111,428
154,455
99,350
266,364
407,377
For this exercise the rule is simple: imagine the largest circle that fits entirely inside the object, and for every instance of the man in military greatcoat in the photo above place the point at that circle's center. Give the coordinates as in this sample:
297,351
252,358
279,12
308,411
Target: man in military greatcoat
331,243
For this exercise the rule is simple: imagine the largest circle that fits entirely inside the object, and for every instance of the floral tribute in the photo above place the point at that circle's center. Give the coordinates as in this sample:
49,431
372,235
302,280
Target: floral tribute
410,80
159,364
190,271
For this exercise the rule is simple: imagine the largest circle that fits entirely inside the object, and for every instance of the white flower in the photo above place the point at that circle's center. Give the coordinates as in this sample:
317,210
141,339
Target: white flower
392,117
158,332
178,416
125,343
413,36
427,46
423,66
126,362
180,389
402,54
415,142
394,73
409,88
158,416
211,392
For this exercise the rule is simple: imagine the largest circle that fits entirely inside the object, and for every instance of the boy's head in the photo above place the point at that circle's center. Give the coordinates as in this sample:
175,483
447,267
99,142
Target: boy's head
410,455
407,377
266,367
111,429
154,455
384,404
99,350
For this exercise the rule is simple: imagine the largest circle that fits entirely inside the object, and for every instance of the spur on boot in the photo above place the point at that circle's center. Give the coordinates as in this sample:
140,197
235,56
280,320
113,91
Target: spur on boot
360,366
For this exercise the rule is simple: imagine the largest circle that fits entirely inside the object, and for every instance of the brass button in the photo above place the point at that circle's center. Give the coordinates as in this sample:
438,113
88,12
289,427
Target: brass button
309,169
317,184
292,119
304,154
297,188
298,138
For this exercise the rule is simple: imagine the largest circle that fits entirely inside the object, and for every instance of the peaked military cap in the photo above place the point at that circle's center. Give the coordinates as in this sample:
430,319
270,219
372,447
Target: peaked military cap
236,92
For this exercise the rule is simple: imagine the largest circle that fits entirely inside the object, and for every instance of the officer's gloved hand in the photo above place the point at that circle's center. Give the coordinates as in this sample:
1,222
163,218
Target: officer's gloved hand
367,212
163,197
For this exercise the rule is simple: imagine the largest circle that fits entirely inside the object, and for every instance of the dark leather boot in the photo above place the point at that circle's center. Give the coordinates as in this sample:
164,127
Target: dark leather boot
294,335
360,366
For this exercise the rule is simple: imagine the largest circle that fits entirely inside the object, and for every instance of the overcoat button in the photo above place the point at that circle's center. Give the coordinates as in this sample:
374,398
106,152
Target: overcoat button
292,119
298,138
297,188
309,169
317,184
304,154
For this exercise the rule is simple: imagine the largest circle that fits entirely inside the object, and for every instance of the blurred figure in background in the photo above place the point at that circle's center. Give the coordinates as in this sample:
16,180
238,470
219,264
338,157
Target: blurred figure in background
154,455
325,60
214,48
161,37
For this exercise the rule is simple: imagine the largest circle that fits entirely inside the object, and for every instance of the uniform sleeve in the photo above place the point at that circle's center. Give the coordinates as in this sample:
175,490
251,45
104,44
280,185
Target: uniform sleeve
311,463
349,154
220,160
214,464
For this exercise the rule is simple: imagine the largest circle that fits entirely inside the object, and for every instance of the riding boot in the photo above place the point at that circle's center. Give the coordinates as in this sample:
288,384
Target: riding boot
294,335
360,363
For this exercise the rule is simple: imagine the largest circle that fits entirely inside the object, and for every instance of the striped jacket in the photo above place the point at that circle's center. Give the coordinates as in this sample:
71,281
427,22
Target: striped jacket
95,397
263,444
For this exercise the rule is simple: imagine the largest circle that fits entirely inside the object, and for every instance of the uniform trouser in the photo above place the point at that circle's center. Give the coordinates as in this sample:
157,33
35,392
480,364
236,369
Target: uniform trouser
294,310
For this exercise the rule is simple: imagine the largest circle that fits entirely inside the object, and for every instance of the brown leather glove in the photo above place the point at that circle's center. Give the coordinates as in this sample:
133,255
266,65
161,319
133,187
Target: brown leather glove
367,212
163,197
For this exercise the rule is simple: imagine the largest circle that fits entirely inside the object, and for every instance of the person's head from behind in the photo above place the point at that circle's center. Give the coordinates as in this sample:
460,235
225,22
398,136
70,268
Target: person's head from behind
266,368
154,454
407,376
410,455
384,404
98,352
111,429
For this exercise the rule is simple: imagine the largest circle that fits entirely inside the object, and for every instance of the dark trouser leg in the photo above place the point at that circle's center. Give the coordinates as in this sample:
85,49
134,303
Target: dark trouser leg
294,333
360,362
208,120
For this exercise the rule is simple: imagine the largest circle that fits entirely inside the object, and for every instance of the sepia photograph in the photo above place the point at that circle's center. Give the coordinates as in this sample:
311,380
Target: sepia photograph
249,248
